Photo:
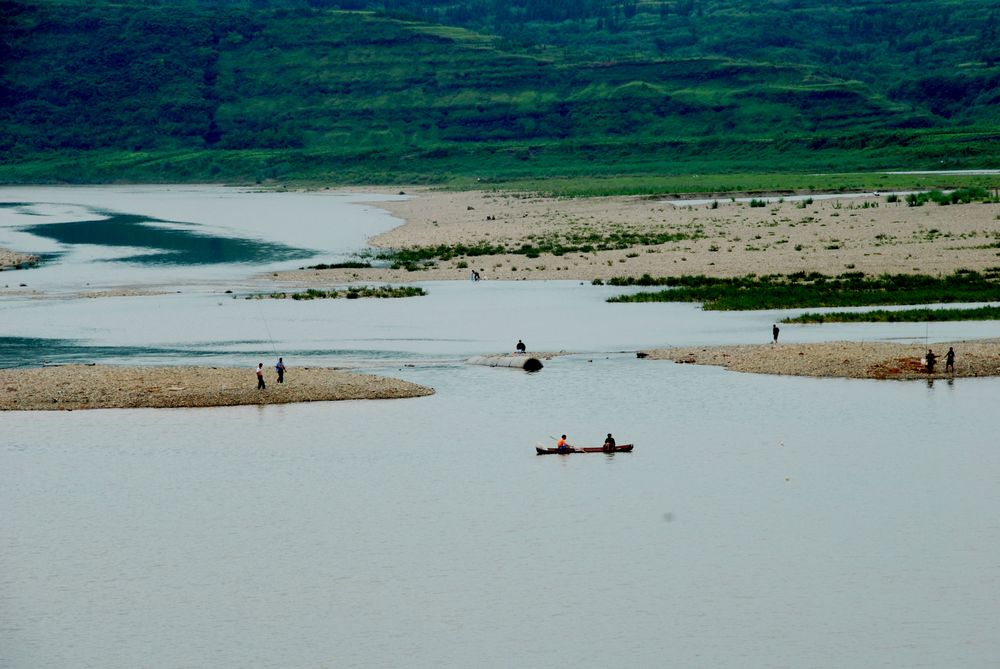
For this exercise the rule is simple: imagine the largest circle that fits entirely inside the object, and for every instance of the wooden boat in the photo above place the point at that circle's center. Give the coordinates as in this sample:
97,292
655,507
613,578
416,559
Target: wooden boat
622,448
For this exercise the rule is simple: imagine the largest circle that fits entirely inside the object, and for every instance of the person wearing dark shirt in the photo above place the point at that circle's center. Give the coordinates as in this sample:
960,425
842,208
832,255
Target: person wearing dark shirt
609,443
930,359
521,348
949,360
774,332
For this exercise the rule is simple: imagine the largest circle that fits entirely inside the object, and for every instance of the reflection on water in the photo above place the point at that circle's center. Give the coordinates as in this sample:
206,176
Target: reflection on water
37,351
179,235
170,245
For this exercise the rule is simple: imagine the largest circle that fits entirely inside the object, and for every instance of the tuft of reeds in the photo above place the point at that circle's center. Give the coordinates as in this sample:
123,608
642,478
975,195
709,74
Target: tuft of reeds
806,290
349,293
987,313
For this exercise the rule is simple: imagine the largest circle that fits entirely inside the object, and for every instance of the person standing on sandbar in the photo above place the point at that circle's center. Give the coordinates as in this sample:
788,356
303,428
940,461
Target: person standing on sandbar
949,360
260,376
774,332
279,367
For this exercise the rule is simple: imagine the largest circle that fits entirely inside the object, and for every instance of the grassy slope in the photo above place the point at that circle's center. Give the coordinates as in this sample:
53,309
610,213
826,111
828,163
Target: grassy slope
105,92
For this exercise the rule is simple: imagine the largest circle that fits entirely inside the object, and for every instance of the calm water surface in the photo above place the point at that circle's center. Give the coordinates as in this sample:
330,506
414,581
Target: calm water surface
115,236
761,521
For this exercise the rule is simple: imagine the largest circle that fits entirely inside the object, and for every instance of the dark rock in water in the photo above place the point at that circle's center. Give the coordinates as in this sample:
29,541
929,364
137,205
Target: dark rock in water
641,354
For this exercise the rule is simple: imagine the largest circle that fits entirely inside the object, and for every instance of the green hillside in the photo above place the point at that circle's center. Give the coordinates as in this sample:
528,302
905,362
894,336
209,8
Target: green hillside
358,92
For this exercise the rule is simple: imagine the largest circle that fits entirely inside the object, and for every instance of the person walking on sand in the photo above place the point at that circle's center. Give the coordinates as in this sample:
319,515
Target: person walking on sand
260,376
929,360
774,332
521,348
949,360
279,367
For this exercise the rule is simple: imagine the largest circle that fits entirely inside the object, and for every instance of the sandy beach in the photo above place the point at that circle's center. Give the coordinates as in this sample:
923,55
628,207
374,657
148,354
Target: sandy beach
865,234
14,260
854,360
102,386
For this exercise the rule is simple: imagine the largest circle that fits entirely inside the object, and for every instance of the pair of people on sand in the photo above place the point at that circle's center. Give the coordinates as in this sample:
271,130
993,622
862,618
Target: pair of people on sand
949,361
279,367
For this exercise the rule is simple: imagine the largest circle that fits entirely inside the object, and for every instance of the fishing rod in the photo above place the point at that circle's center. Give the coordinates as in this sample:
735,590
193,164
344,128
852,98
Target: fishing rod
267,329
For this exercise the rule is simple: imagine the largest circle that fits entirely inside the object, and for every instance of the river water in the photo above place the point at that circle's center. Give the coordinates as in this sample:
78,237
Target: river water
760,522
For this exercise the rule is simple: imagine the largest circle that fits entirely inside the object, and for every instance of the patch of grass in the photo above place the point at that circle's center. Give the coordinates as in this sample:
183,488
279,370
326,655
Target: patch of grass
350,293
583,241
340,265
801,290
957,196
738,178
987,313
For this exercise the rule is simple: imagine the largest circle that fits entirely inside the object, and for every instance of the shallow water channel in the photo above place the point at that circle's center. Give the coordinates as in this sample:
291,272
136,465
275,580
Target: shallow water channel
760,522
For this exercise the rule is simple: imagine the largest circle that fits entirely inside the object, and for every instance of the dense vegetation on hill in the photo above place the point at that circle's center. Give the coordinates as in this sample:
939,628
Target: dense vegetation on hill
406,90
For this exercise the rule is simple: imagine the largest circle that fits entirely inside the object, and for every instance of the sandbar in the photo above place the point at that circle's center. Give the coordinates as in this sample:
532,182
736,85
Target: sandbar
107,386
841,359
14,260
851,234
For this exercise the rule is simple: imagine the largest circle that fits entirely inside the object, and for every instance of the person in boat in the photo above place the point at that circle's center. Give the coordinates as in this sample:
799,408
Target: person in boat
562,445
609,443
521,348
929,360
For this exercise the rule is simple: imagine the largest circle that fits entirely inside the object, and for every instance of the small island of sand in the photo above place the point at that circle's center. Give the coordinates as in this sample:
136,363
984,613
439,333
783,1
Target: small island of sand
105,387
14,260
852,360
